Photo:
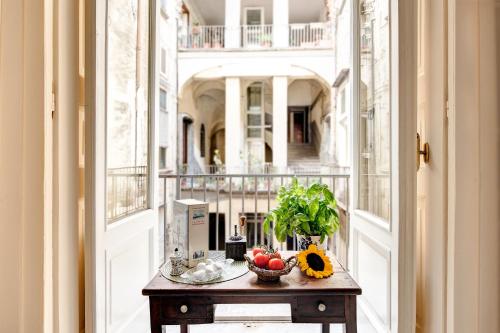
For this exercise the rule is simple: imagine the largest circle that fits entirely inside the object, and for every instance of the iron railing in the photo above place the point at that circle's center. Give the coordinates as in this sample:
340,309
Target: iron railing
310,35
213,37
126,191
257,36
204,37
253,195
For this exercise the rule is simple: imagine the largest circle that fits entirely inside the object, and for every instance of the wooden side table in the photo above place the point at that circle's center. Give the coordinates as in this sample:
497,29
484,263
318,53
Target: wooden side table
324,301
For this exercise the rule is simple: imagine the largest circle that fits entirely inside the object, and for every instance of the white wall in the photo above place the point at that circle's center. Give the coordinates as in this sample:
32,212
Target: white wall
168,40
341,123
22,166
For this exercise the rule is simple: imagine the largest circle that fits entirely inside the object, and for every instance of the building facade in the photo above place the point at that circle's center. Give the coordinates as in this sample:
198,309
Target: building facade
254,86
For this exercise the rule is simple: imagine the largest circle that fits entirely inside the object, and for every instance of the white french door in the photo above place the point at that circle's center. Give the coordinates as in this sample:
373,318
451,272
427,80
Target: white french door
121,164
253,28
384,173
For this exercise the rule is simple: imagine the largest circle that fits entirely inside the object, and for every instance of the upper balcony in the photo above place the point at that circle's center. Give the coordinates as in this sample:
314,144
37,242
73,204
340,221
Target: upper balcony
257,37
255,25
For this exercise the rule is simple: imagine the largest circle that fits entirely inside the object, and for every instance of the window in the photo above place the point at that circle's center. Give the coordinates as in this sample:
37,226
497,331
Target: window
163,61
163,100
255,125
254,16
163,5
127,108
162,158
374,111
202,140
254,111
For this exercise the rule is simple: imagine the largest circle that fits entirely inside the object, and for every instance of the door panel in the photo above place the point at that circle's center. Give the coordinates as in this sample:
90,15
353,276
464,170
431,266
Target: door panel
378,165
373,269
121,162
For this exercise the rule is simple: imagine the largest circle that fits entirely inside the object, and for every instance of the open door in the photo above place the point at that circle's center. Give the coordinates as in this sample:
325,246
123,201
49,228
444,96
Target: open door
384,101
121,164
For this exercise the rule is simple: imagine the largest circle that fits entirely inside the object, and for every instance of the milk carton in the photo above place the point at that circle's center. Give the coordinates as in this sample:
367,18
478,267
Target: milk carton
191,230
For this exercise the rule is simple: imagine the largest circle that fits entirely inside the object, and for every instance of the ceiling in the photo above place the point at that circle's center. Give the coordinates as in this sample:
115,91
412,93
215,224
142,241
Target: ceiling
301,11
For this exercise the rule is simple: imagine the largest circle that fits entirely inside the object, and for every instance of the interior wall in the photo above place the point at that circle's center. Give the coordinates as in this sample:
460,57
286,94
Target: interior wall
473,230
489,139
81,165
22,151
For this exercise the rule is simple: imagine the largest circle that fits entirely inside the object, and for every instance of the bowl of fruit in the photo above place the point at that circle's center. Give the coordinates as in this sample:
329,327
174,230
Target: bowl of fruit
268,264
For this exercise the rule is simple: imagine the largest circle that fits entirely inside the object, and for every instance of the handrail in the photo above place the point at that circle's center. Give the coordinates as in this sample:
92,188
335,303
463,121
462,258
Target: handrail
252,194
213,37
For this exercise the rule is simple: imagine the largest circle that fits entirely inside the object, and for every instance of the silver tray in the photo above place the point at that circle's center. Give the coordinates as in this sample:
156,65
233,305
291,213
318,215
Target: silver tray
231,272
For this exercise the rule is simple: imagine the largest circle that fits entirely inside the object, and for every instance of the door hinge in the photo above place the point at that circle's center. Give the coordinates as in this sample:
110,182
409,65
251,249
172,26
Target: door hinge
447,109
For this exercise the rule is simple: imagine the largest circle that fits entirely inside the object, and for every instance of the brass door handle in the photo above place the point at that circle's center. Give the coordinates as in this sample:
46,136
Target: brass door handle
425,151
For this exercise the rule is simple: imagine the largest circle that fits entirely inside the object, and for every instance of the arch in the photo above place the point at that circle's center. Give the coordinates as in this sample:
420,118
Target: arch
252,69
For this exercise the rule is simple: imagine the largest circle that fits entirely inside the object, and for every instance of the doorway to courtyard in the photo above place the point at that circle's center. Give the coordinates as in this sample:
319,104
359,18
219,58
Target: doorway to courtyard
298,124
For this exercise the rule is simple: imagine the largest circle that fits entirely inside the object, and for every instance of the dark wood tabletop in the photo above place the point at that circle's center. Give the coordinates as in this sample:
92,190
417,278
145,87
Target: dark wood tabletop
329,300
341,283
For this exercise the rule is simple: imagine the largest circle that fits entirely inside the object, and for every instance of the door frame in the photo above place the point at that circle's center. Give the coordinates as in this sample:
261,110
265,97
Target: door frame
403,169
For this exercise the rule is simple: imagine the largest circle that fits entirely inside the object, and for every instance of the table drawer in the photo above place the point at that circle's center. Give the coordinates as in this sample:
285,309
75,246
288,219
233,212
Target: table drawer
321,307
186,308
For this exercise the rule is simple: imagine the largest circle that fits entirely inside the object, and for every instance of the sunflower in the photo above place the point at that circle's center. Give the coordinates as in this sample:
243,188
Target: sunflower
313,262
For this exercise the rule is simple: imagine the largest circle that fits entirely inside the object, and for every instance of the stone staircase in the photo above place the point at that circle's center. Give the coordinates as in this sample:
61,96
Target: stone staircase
303,157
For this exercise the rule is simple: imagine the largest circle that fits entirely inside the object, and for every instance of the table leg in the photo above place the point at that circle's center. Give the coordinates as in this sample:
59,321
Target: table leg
154,315
156,328
326,328
350,314
184,328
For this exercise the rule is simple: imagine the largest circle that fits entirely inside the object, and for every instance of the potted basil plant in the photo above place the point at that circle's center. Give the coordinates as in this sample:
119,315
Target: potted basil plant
309,212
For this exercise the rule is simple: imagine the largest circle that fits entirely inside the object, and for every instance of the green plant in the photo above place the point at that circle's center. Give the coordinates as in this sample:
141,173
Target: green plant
307,211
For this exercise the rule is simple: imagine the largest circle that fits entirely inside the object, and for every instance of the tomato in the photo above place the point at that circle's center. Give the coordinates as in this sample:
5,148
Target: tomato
261,260
257,250
274,254
276,264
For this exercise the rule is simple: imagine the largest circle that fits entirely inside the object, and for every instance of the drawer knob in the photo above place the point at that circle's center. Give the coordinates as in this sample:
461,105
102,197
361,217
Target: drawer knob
321,307
184,308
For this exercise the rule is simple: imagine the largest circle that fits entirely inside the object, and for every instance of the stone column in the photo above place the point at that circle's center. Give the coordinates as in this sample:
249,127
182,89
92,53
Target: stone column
233,125
280,23
232,24
280,122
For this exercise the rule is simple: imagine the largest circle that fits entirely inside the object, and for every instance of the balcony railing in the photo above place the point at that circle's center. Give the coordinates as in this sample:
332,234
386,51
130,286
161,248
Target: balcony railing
311,35
265,168
204,37
126,191
300,36
257,36
253,195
